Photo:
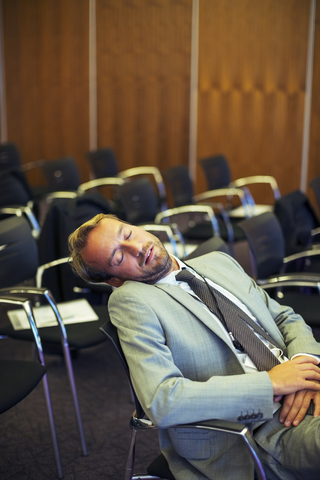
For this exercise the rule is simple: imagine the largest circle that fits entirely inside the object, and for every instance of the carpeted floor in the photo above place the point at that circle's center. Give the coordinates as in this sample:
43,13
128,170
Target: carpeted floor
25,444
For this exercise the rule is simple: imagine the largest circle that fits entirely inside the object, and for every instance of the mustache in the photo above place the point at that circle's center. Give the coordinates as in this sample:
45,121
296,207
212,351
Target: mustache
143,253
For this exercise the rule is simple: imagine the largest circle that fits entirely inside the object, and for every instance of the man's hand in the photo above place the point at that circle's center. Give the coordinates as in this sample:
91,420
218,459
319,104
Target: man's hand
300,373
295,406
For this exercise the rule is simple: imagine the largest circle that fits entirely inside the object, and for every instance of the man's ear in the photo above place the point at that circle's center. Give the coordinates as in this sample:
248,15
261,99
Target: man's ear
115,282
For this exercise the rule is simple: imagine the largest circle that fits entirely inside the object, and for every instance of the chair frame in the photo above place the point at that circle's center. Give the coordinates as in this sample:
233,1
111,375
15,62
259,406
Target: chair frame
35,292
12,299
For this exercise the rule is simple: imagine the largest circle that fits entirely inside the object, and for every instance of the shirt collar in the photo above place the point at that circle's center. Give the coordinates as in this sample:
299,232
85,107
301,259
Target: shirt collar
171,277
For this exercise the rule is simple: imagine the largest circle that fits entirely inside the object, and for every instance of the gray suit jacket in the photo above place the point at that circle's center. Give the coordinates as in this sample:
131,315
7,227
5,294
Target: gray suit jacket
184,367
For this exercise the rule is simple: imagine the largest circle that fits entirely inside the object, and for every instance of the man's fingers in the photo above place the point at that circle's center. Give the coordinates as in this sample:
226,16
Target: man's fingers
296,406
305,359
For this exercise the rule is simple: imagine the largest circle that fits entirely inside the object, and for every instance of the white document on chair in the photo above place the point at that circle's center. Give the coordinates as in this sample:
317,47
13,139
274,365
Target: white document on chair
75,311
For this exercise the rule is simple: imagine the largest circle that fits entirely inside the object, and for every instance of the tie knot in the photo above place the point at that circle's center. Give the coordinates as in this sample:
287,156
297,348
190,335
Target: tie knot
184,276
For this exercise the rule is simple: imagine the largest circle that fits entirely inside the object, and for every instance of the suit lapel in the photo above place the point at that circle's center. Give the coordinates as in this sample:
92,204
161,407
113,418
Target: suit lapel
187,301
246,298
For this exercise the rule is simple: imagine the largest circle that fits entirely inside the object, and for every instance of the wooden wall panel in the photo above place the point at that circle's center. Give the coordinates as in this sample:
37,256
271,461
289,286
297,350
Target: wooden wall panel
46,63
143,57
252,69
314,154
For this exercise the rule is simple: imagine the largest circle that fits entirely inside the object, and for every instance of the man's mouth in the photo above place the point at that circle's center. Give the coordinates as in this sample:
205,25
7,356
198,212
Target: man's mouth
148,255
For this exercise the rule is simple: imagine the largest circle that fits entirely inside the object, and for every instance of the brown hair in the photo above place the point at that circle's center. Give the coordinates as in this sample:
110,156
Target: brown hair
77,242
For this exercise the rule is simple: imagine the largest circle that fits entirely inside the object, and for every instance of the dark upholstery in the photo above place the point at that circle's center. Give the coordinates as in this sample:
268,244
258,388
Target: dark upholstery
19,259
17,379
103,163
138,201
180,184
297,219
14,189
9,156
61,174
216,170
266,242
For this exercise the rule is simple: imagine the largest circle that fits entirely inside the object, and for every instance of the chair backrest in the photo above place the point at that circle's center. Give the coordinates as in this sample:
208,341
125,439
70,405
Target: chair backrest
216,170
111,332
9,156
61,174
18,252
214,244
266,243
180,185
297,219
103,163
14,188
138,200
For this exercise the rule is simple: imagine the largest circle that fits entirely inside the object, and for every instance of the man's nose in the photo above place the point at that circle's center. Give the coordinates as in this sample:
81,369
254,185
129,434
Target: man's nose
134,248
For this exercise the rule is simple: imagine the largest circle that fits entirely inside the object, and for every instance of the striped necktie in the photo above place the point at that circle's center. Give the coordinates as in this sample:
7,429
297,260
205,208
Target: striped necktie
235,321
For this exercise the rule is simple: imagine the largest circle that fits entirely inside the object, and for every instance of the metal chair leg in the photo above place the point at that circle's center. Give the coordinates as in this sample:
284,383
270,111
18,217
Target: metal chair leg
52,425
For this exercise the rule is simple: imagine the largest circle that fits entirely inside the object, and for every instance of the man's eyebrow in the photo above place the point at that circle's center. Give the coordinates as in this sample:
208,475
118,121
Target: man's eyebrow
121,227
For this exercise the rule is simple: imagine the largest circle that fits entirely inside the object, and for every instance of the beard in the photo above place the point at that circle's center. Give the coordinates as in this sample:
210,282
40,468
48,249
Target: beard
161,264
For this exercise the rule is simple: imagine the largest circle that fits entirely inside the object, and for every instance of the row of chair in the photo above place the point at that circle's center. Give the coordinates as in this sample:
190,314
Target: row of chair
137,201
62,175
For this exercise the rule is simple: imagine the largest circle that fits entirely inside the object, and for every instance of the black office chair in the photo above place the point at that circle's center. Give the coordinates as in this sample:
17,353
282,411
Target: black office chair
159,468
179,183
16,198
299,222
103,163
18,378
218,175
19,264
61,174
298,290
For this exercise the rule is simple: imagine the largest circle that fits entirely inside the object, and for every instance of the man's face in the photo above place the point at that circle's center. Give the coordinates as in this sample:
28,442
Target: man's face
127,252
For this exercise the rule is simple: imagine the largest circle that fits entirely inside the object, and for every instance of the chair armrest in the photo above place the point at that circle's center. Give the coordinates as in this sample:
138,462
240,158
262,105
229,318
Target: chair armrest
11,299
31,165
100,182
244,196
148,170
42,268
312,251
88,287
291,280
234,428
255,179
35,292
204,209
25,210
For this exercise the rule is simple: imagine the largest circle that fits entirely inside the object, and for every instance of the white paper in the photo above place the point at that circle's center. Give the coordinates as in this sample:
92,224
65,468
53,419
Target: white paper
76,311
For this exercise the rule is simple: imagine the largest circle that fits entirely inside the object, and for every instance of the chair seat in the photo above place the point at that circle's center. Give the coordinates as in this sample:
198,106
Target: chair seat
80,335
17,379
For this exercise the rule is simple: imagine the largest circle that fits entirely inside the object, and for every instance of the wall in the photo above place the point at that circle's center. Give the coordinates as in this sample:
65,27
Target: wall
251,85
